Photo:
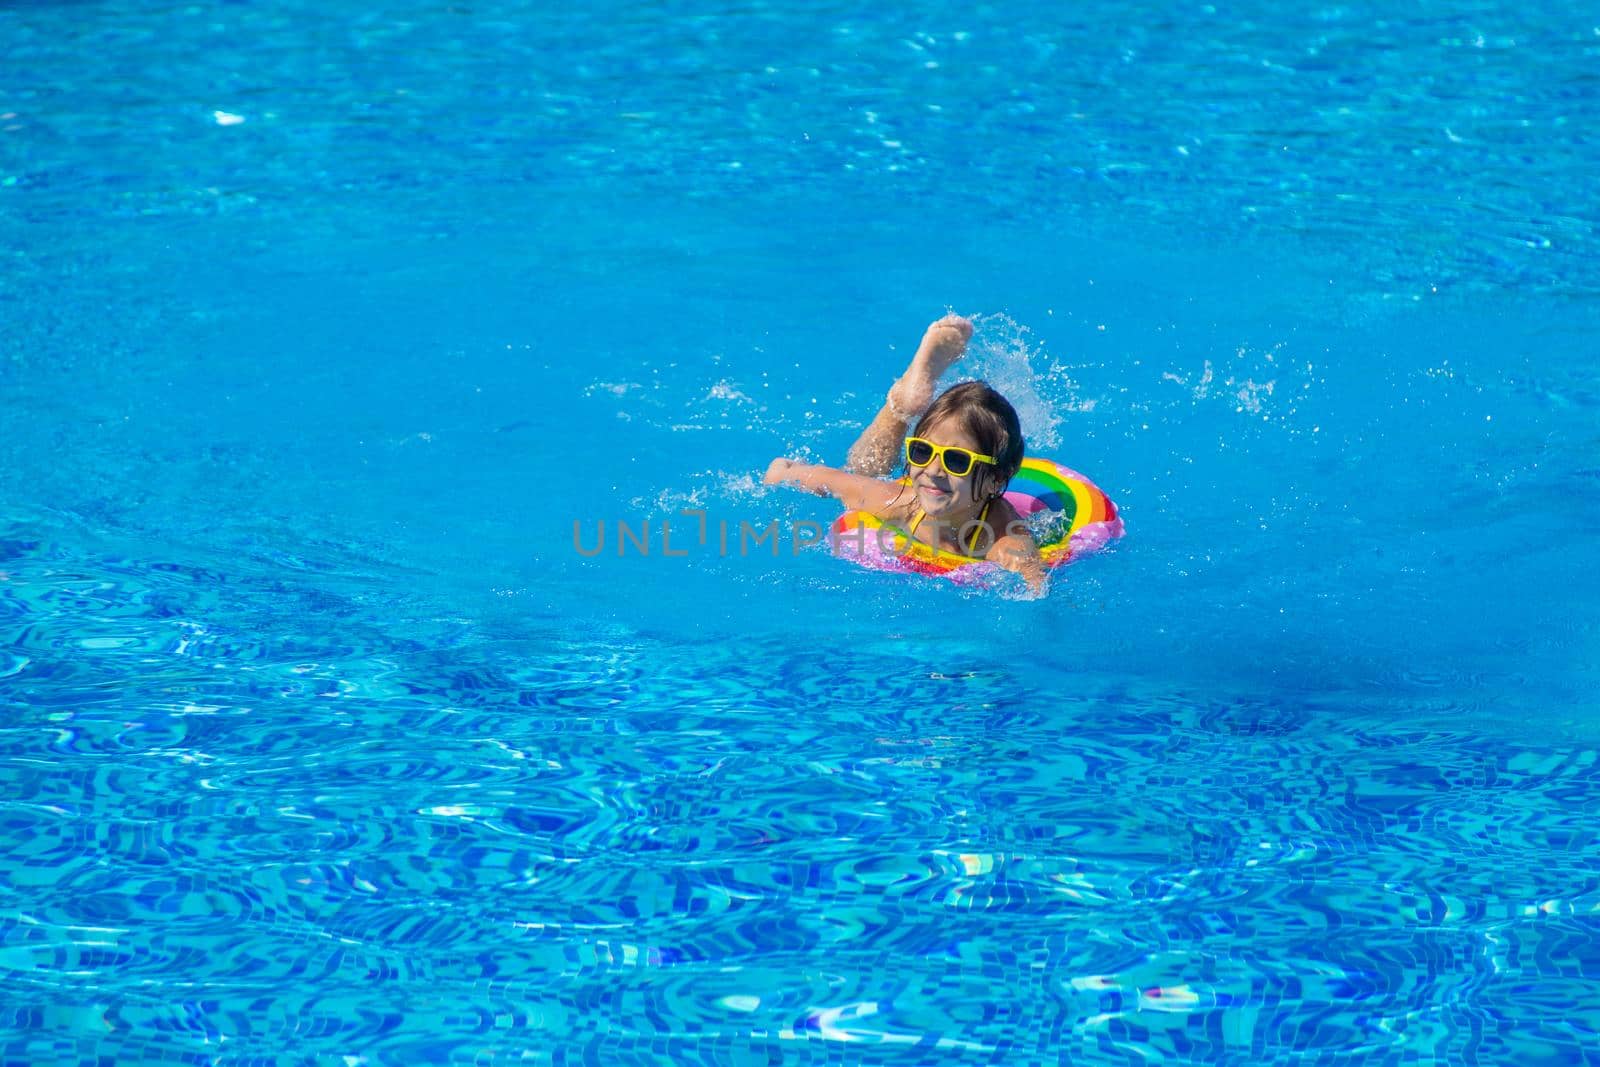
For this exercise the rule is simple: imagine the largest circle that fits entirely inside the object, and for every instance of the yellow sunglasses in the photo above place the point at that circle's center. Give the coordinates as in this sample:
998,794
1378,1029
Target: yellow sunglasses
957,461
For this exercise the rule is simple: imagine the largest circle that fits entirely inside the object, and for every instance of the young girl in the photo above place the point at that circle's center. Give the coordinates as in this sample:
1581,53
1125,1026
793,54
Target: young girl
964,450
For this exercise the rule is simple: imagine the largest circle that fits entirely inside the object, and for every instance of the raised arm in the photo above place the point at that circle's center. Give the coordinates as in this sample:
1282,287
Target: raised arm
855,491
878,448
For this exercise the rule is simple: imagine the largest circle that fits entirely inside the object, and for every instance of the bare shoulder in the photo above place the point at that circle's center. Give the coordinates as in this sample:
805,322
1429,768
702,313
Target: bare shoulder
890,501
899,503
863,492
859,492
1004,520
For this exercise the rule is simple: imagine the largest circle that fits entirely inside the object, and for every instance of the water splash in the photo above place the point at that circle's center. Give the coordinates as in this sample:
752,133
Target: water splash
1005,354
1269,385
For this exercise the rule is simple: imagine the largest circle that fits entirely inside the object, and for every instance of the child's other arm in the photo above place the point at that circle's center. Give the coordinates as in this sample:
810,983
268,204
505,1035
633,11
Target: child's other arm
1016,551
854,491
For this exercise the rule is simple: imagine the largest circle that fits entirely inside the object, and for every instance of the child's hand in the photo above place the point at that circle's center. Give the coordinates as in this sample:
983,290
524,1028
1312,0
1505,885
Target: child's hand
960,324
776,471
1017,552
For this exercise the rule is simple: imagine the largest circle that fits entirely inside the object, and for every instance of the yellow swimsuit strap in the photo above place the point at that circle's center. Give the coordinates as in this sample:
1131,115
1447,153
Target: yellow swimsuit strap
982,515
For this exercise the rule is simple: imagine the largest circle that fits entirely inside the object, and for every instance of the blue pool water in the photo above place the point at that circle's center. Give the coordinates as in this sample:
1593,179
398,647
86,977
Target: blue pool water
323,324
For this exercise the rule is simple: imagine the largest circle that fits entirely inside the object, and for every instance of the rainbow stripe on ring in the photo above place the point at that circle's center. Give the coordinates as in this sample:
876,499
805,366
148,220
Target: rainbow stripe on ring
1083,520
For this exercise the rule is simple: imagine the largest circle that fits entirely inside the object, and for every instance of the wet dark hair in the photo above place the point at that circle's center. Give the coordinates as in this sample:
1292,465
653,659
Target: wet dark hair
992,422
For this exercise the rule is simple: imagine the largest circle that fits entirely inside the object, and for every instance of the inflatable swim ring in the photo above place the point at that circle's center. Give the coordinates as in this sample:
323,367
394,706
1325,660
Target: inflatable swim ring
1081,520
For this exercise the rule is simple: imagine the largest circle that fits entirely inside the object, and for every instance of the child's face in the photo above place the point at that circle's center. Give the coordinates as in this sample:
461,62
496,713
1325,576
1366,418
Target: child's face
940,494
